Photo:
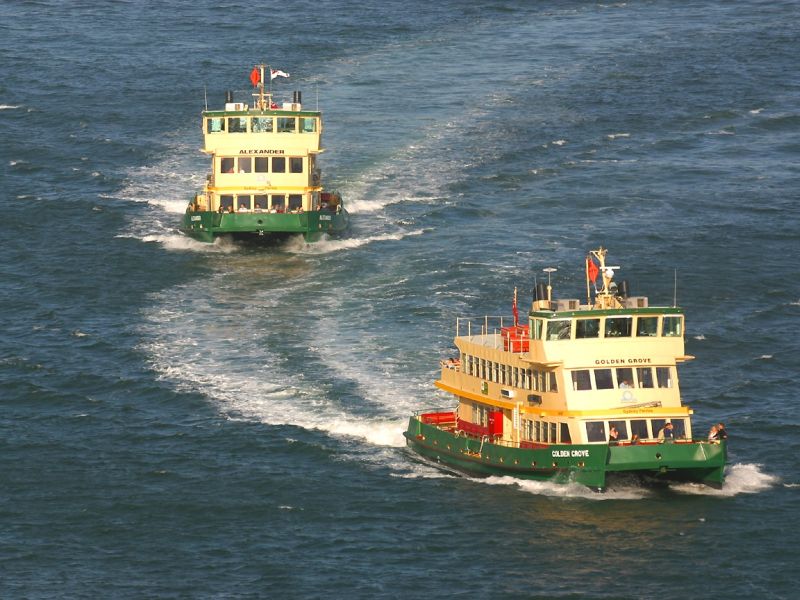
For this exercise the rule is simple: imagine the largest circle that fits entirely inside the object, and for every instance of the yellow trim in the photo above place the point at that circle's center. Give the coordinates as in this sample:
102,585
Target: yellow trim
471,396
621,411
289,188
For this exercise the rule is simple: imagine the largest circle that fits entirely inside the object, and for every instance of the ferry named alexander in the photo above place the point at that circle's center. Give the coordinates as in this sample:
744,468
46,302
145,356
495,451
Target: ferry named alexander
264,180
580,393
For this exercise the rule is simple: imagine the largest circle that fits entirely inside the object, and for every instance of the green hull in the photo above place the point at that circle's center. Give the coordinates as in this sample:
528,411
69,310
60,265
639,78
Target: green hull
205,226
588,464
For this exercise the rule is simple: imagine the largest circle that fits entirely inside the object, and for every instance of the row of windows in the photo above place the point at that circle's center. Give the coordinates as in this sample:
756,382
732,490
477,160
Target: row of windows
261,124
610,327
527,379
260,164
627,429
596,431
544,432
622,378
260,202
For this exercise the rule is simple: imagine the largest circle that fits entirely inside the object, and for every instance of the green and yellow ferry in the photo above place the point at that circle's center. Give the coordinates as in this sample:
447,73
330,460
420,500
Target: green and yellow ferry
582,392
265,181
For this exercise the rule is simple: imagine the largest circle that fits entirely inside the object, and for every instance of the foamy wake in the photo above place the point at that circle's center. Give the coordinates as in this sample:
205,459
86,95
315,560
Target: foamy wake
739,479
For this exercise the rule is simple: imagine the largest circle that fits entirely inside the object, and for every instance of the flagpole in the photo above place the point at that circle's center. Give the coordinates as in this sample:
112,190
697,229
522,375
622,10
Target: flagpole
588,292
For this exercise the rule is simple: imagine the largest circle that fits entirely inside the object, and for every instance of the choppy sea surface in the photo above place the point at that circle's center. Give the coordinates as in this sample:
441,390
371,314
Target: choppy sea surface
186,420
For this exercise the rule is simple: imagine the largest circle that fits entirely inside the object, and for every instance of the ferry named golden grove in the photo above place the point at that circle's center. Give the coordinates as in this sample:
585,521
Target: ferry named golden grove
265,181
581,392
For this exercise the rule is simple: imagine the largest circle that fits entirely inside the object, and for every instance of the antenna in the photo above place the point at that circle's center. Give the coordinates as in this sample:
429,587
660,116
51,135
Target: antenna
675,289
205,95
549,270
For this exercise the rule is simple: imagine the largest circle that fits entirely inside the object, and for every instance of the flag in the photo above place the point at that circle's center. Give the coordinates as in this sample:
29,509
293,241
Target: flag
255,76
514,309
592,270
273,73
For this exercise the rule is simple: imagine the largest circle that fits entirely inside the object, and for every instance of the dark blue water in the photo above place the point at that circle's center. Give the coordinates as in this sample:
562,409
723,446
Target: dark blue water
180,420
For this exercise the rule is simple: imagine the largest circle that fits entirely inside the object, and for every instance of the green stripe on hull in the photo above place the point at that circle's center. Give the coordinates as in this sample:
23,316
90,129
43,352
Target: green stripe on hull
585,464
206,225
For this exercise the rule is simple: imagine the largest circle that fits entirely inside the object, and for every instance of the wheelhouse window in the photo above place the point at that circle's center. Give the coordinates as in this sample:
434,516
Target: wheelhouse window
262,164
587,328
559,329
237,125
278,164
295,164
286,124
646,326
596,431
537,329
308,125
603,380
618,326
672,327
581,380
261,124
215,125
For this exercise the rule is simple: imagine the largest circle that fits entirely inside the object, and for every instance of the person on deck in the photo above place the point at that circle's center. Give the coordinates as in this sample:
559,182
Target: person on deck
666,432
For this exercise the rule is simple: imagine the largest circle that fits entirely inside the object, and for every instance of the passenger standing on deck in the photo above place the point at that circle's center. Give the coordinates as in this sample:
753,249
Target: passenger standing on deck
666,432
721,433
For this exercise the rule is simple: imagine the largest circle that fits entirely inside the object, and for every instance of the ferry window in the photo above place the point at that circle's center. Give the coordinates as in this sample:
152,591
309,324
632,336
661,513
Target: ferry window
587,328
544,432
278,202
671,327
596,431
261,202
645,377
308,125
553,429
657,425
537,329
646,326
565,437
496,372
278,164
261,124
603,380
581,380
622,428
529,380
618,326
536,435
639,427
286,124
262,164
295,165
483,369
226,165
242,202
552,378
226,203
237,125
664,377
678,428
560,329
215,125
245,165
295,201
624,377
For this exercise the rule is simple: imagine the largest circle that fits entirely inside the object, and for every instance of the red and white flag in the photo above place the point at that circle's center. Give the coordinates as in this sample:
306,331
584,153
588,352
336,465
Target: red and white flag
273,73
